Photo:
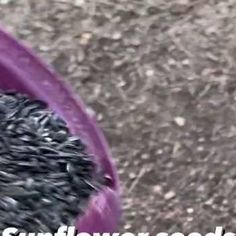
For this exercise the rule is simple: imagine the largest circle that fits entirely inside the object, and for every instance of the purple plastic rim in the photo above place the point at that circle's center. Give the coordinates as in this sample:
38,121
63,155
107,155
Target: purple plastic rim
22,71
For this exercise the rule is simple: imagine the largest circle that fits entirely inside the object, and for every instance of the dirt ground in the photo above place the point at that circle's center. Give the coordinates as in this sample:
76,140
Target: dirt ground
161,77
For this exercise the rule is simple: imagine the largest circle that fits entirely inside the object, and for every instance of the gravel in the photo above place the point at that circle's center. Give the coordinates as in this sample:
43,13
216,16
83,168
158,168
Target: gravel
139,65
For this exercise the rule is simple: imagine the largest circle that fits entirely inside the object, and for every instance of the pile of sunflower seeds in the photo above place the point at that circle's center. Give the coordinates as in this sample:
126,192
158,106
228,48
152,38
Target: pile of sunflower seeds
46,176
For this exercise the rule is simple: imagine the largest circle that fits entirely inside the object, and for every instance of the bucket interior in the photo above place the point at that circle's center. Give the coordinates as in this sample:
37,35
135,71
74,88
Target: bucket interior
10,82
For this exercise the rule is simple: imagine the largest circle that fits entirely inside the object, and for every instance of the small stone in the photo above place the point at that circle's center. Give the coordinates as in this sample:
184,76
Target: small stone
90,112
149,73
116,36
44,48
127,226
132,107
126,164
172,62
201,140
85,38
118,63
209,202
100,117
170,165
186,62
201,188
148,218
132,175
191,78
200,148
79,3
159,151
225,202
145,156
157,189
190,219
180,121
5,2
190,210
120,125
135,42
121,84
170,195
121,171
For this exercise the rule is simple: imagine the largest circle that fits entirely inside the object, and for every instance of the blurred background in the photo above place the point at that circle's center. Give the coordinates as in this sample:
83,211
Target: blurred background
161,77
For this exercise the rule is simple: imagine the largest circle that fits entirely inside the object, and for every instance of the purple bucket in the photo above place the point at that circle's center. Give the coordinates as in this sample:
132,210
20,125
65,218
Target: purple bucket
22,71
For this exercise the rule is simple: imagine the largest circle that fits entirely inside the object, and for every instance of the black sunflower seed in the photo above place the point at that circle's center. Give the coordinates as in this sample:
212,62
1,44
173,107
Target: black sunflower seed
46,176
